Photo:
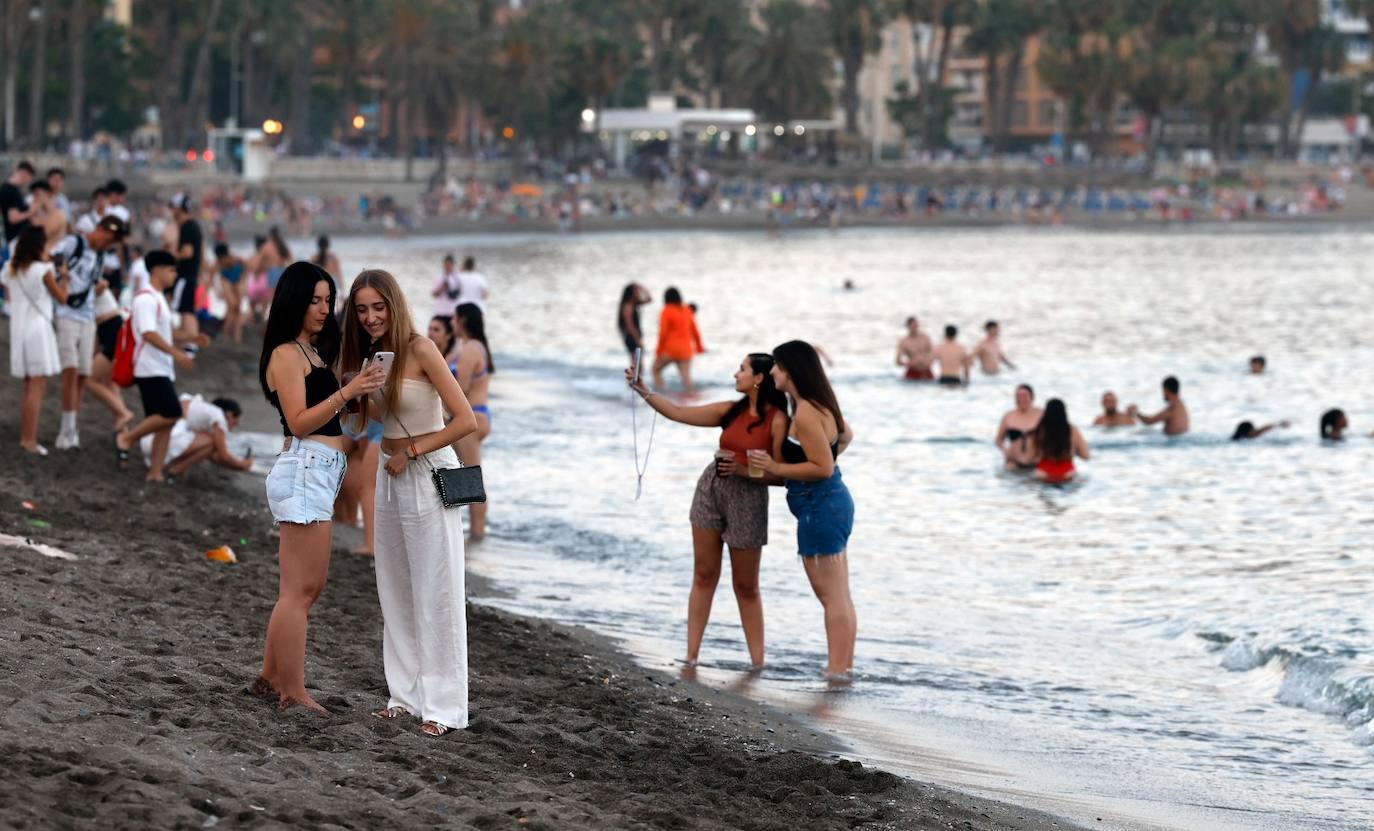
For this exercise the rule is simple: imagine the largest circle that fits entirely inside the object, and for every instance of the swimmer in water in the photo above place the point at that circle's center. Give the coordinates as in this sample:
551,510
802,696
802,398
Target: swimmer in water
1013,433
1111,416
1054,443
1257,364
914,352
1174,415
952,358
1247,430
1334,424
989,350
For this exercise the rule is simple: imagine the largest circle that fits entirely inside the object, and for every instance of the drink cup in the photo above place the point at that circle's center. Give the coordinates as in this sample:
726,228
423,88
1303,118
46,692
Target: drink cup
755,472
723,456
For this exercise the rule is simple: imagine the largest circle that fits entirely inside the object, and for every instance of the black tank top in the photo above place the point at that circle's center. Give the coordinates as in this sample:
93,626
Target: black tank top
794,454
319,385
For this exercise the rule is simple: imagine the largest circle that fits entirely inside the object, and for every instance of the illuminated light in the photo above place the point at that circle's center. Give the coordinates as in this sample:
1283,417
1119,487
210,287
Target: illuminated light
711,131
662,135
724,135
750,130
589,115
190,155
778,129
359,122
208,155
508,132
272,127
799,129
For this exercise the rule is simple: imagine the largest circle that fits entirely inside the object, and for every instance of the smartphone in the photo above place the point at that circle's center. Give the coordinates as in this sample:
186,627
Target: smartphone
384,359
639,362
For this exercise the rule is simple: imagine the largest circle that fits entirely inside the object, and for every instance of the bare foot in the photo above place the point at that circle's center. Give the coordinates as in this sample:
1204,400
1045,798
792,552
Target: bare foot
124,420
288,701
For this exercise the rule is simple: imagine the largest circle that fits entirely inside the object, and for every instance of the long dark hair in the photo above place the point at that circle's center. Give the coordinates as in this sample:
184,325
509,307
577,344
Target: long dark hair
475,326
323,253
800,361
28,248
1053,436
769,395
629,295
283,250
673,297
446,322
290,302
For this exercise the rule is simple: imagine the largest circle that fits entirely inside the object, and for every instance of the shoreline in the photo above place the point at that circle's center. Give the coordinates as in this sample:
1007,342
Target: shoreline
124,671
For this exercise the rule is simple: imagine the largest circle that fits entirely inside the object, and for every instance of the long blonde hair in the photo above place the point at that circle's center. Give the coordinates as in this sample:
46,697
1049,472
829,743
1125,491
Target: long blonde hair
358,344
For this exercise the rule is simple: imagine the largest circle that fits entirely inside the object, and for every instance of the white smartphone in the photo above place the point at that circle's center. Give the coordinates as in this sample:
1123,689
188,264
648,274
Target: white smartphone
384,359
639,363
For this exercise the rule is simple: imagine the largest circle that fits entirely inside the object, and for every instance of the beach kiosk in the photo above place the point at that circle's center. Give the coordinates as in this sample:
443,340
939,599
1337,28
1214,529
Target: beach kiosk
241,151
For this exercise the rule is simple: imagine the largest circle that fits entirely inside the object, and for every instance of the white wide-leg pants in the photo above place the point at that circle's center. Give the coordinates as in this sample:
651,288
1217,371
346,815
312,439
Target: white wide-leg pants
418,546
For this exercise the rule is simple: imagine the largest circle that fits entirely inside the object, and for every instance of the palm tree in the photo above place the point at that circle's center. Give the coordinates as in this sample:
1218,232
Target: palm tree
1000,31
932,58
855,30
1291,26
38,73
784,71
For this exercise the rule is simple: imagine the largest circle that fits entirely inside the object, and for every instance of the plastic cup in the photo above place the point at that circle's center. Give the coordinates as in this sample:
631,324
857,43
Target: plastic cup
755,472
723,456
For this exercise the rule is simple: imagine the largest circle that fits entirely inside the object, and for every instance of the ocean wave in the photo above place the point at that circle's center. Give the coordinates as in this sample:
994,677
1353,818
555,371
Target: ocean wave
1315,680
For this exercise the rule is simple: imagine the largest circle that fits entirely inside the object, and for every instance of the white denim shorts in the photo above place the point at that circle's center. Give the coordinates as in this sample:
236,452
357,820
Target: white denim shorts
304,482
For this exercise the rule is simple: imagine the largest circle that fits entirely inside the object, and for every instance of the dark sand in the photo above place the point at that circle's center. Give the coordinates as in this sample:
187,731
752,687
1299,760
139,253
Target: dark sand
122,675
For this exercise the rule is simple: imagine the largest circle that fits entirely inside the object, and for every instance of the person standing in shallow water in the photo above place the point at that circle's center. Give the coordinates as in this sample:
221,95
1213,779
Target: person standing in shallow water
299,345
473,367
816,494
678,340
1013,433
627,317
730,507
1174,415
418,543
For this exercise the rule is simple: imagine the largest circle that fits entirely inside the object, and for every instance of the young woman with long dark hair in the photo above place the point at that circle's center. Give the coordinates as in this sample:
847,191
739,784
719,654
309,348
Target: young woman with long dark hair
418,543
299,348
730,507
816,494
473,367
627,316
1054,443
32,284
678,339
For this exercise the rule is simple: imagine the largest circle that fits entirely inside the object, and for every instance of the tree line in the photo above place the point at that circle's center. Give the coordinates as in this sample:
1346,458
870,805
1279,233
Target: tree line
478,71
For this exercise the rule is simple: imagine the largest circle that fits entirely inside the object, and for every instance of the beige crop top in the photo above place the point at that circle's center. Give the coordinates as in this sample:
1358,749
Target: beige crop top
419,407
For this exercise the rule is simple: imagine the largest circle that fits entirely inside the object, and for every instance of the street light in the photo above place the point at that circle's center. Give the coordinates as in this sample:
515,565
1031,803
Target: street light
778,129
588,115
359,122
272,127
750,130
799,129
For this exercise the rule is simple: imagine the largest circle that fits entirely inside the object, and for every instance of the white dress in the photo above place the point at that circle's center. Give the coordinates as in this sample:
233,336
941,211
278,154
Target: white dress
33,341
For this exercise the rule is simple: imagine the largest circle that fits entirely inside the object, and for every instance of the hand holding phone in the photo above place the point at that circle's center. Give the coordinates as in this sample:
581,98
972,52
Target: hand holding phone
638,363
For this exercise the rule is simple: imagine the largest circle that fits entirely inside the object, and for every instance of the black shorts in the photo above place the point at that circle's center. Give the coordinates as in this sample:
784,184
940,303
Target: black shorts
107,334
159,397
951,381
184,295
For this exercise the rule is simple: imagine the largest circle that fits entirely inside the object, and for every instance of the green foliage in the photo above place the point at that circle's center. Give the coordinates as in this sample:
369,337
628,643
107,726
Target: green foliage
784,70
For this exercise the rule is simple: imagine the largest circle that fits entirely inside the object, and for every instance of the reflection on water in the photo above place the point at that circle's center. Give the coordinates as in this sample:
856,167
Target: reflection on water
1189,622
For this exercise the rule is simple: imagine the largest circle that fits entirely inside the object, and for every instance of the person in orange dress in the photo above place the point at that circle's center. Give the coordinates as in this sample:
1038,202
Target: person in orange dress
678,339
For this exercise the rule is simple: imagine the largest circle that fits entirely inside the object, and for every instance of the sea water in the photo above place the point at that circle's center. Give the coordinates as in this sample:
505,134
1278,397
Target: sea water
1182,635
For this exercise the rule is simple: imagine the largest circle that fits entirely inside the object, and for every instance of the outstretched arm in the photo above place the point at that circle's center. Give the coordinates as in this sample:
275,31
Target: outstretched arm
705,415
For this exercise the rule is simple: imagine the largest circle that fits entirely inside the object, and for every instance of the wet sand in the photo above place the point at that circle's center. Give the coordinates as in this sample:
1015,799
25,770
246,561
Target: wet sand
123,670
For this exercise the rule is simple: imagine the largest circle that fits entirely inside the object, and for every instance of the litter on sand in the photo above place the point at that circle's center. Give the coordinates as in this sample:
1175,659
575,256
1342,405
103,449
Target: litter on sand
45,550
223,554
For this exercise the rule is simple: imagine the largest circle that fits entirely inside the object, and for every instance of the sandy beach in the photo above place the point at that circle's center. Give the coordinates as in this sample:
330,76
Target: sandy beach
123,672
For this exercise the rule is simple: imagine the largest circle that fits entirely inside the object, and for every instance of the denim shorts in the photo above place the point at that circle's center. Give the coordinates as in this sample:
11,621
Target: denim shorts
304,482
825,515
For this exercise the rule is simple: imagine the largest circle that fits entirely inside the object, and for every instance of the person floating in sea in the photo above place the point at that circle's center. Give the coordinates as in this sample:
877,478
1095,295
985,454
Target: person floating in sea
678,340
1054,443
1334,424
953,359
1013,433
1257,365
989,353
730,504
1247,430
914,352
1111,416
1174,415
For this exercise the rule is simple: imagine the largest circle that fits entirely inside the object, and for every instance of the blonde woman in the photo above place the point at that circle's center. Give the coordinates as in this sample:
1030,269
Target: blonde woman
417,542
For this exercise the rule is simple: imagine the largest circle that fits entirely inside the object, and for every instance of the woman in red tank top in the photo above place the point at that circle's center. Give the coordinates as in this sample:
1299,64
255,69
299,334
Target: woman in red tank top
730,507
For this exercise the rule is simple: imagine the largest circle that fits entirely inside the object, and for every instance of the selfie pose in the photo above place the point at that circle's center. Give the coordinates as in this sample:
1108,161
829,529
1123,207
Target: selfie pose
730,505
417,541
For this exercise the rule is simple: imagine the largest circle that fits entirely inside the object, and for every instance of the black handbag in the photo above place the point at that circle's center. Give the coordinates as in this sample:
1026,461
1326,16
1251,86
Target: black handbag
457,486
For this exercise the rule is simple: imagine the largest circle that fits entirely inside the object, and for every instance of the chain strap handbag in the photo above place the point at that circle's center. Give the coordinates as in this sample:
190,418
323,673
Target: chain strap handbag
457,486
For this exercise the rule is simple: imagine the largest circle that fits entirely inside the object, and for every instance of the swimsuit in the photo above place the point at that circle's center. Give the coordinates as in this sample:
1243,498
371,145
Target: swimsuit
914,374
232,274
951,381
1056,470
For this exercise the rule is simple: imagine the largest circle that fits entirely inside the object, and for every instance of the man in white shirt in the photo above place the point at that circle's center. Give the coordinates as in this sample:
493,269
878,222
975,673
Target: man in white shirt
115,191
155,359
80,257
86,222
472,286
447,287
201,433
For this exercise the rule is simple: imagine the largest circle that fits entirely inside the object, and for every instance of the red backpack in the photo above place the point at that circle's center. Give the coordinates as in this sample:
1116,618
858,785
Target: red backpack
127,347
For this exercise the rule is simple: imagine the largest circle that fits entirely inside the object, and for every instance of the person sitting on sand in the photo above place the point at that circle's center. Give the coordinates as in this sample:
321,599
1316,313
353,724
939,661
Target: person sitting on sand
417,543
1013,432
952,358
1334,424
300,343
989,353
1111,416
201,433
1174,415
1054,443
914,352
1247,430
1257,365
730,505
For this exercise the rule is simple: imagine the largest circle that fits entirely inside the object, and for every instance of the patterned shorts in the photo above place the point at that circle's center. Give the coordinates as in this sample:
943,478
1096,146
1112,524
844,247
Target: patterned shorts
732,505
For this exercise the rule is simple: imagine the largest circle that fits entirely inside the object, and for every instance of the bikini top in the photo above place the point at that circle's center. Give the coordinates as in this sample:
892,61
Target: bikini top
1015,435
794,454
320,383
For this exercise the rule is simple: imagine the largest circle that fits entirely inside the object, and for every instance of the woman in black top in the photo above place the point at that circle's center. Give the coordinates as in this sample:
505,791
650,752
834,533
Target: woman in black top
627,318
299,348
